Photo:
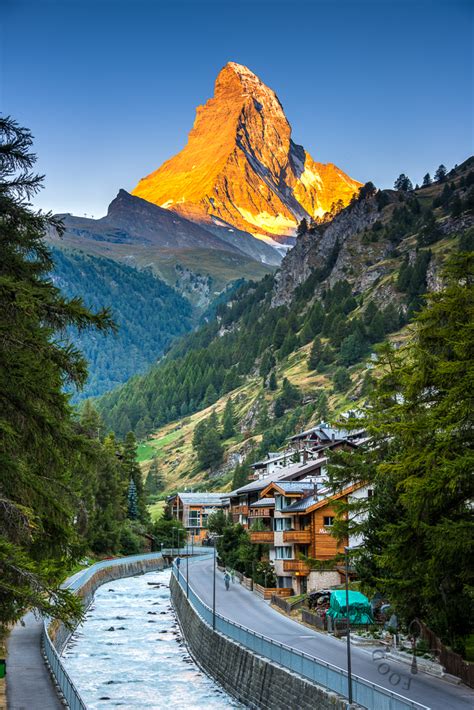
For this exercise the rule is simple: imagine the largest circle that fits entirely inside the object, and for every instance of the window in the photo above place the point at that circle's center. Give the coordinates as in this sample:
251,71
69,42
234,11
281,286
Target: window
282,502
305,522
282,524
370,493
283,553
193,519
328,520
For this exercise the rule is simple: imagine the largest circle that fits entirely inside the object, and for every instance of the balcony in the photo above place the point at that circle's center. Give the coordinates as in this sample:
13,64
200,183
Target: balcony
260,512
192,523
301,537
296,566
261,536
240,510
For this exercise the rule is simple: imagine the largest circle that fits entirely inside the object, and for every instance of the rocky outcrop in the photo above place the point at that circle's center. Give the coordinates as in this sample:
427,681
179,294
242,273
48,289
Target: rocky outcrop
339,239
240,165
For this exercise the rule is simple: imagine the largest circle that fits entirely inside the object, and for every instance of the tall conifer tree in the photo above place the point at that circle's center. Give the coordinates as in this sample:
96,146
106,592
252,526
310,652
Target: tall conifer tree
38,439
418,527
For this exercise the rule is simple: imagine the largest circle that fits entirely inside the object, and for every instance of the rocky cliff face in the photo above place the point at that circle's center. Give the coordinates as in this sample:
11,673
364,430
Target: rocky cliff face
240,165
357,254
313,248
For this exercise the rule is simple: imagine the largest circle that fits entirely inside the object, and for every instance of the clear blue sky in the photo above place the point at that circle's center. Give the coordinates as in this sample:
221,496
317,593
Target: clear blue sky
109,88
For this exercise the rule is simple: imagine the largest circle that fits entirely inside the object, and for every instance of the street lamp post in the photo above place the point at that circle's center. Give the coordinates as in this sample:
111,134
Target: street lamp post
214,583
214,588
348,637
187,566
172,541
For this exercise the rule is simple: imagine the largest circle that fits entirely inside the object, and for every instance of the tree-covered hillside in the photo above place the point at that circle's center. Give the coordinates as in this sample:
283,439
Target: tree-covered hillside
417,526
387,253
148,313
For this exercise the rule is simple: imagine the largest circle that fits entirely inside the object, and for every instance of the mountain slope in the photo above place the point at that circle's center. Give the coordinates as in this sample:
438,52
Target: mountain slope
149,315
240,165
347,285
133,221
198,262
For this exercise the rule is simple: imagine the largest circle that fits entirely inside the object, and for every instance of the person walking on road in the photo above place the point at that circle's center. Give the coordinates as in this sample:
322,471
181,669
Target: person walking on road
227,580
232,575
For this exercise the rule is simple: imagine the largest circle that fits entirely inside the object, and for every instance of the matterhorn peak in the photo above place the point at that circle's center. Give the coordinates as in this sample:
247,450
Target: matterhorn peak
241,166
247,78
241,70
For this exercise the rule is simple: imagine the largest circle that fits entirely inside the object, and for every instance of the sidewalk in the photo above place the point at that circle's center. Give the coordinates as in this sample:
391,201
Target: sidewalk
29,685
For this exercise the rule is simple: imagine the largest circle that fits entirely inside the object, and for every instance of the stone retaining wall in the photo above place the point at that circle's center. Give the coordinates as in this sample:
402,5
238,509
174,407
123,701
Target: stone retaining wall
59,633
255,681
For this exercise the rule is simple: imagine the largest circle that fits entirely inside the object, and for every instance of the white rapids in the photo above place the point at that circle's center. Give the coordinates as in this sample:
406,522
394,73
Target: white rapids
129,652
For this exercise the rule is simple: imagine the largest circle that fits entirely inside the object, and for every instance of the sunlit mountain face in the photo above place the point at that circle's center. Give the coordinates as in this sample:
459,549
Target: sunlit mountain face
241,166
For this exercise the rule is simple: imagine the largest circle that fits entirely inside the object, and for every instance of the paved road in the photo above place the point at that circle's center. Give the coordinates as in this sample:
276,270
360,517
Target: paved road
29,685
247,609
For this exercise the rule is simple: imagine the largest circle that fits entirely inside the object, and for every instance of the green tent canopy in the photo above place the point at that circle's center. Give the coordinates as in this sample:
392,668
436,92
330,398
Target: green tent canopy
360,611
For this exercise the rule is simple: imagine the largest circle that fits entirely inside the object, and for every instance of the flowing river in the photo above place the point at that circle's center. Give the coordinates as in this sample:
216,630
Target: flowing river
129,652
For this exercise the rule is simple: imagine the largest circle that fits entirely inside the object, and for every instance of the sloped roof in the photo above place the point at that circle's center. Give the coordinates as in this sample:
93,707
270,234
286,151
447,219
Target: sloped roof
319,500
324,431
297,470
203,498
301,505
271,458
295,486
263,503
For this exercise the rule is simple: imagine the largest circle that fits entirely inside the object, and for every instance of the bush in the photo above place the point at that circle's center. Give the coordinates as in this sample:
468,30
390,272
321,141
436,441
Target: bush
130,542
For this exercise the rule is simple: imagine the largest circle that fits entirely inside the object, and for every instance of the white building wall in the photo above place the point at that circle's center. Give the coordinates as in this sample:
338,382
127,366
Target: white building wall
360,493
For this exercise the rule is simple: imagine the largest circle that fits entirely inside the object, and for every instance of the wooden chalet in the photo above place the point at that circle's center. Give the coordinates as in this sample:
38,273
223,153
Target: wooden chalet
193,510
302,524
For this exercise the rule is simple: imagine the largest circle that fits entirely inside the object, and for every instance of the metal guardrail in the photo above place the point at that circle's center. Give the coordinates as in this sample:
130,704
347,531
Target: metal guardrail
61,676
365,693
89,572
67,687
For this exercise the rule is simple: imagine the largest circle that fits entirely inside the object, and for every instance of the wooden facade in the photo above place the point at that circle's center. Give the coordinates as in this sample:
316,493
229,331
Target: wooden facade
301,537
323,545
261,536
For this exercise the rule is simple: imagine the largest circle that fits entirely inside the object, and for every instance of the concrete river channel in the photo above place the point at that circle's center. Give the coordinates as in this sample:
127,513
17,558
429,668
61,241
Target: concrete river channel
129,652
